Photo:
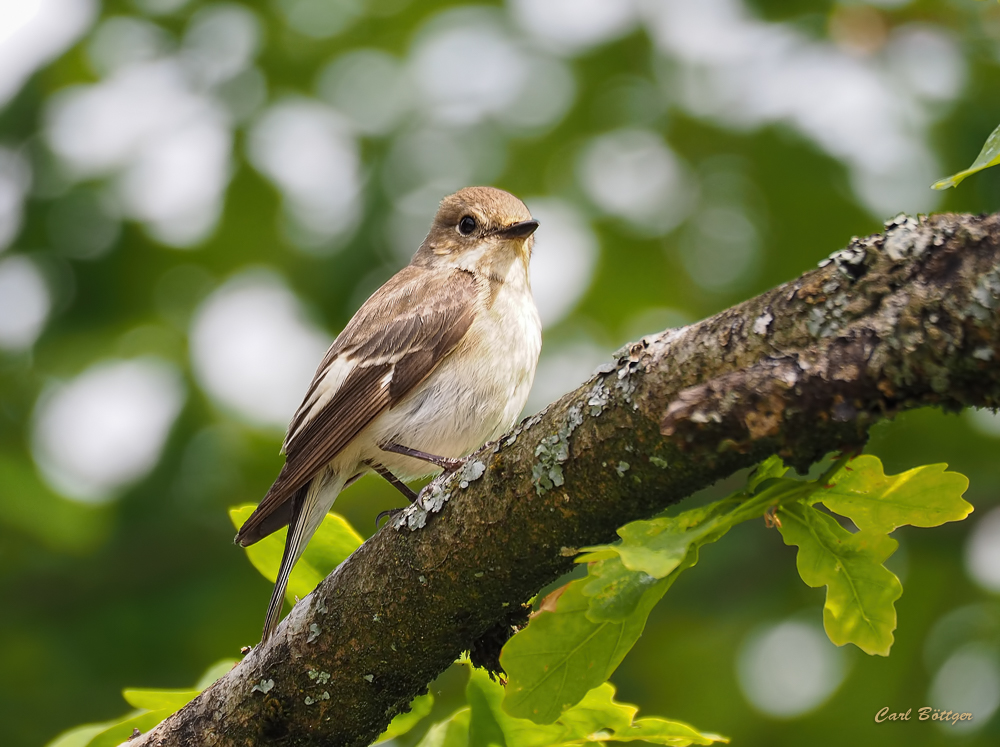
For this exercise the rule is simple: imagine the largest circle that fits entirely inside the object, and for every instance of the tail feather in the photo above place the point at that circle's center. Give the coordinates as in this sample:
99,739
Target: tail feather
308,509
293,550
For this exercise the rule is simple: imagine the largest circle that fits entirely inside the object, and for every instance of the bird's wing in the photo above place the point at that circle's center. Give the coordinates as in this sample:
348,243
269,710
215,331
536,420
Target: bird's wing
396,339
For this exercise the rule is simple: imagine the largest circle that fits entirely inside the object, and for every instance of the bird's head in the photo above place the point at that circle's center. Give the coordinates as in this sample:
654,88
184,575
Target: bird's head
479,228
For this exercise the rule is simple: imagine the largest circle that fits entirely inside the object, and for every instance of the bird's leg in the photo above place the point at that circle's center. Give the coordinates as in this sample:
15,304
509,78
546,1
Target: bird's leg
390,478
401,486
446,463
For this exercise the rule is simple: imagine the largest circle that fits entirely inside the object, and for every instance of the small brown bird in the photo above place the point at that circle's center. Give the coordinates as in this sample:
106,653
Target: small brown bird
435,363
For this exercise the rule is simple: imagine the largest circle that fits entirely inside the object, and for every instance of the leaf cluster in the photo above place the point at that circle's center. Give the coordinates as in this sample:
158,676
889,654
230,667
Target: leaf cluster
583,630
597,719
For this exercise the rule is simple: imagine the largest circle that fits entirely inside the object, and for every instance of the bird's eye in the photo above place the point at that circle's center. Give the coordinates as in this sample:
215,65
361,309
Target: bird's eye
467,225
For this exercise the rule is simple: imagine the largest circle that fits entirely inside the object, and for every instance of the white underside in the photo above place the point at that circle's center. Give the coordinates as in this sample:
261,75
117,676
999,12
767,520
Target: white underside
474,395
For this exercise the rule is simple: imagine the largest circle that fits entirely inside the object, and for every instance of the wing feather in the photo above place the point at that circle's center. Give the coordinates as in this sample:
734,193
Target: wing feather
394,342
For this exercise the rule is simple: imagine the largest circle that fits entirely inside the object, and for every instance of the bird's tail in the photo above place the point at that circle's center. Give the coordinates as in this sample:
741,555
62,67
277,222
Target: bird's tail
309,508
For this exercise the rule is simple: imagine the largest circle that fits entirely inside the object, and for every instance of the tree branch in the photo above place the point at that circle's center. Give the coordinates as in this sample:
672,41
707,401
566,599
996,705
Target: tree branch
895,321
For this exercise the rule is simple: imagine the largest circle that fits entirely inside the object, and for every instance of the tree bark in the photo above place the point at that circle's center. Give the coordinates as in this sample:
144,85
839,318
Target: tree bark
898,320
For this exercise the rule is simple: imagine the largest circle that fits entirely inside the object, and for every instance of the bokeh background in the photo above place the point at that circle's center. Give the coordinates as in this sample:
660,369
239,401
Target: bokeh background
195,197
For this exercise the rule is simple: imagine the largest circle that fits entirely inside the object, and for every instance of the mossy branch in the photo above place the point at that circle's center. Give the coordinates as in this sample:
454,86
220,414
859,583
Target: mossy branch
899,320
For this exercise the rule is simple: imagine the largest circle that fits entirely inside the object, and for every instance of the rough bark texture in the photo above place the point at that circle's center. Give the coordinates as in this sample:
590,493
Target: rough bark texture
895,321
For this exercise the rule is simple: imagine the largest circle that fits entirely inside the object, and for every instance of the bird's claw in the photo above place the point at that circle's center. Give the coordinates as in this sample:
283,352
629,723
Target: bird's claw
390,513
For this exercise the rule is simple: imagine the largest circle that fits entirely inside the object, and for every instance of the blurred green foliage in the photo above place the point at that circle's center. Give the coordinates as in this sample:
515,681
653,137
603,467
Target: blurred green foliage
146,588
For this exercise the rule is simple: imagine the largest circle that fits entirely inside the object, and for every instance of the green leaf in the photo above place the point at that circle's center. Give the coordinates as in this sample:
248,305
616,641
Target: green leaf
214,673
158,700
122,731
662,731
333,542
484,701
771,468
79,736
597,718
664,547
153,705
420,707
923,497
658,546
490,724
561,655
452,732
988,156
861,592
615,592
598,712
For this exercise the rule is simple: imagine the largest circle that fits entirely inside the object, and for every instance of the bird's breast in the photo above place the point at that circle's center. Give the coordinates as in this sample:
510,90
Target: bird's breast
477,392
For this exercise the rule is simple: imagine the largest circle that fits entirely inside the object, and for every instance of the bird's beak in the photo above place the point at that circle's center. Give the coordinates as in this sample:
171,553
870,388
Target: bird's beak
521,230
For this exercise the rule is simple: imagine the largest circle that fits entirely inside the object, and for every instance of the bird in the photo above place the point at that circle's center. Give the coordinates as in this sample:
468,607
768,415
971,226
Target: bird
437,362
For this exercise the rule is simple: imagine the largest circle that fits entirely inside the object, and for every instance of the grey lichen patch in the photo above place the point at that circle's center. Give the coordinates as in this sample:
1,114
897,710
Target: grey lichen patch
622,468
903,240
314,632
604,368
814,323
309,700
628,363
901,219
850,260
552,451
598,398
320,677
436,497
762,322
983,353
704,416
658,462
264,686
547,472
625,385
827,319
431,500
471,471
412,517
985,295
